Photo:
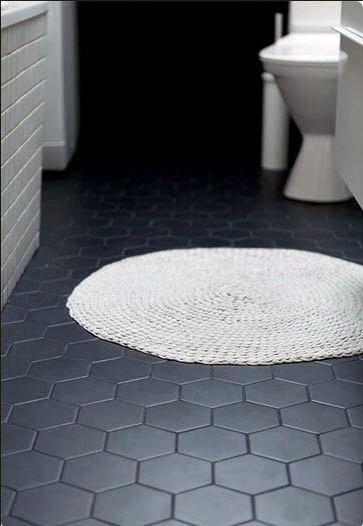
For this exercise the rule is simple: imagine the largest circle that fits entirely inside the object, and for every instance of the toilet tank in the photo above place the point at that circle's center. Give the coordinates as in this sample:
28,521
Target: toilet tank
312,17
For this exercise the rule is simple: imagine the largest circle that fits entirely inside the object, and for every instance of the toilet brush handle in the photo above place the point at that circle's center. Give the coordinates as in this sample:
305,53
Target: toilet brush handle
278,25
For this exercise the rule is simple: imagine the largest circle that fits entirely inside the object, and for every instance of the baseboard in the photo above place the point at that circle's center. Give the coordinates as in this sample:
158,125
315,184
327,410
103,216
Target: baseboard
56,155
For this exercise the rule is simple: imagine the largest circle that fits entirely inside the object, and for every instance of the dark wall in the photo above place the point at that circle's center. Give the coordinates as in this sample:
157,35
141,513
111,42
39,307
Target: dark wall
173,80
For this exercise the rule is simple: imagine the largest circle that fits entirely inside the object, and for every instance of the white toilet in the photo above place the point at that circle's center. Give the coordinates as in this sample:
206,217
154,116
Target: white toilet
306,64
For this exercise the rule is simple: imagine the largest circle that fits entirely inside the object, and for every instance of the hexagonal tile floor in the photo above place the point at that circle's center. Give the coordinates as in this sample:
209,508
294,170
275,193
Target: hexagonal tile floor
95,434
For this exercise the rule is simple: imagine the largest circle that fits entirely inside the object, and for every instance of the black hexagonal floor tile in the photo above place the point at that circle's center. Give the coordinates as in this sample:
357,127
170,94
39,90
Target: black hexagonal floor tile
213,506
245,374
175,473
121,370
134,504
276,393
180,373
245,417
337,392
212,443
211,393
303,373
327,475
58,369
314,417
251,474
349,507
24,389
99,471
344,443
43,414
69,441
15,438
110,415
84,391
148,392
52,504
94,351
178,416
287,506
141,442
285,444
29,469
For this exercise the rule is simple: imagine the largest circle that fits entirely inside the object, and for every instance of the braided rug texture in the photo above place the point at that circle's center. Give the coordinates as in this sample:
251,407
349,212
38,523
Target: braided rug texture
226,305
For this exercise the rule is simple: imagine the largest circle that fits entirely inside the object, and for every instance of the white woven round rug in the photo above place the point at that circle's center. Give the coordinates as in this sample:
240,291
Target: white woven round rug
226,305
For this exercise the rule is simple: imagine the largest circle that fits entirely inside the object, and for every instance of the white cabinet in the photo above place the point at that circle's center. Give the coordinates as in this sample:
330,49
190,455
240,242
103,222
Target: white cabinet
23,73
349,114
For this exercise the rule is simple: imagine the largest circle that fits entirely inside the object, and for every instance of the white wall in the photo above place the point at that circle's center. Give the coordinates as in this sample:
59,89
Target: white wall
62,110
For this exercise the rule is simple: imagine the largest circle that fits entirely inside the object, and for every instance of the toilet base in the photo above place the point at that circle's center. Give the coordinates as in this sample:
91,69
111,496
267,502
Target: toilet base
313,176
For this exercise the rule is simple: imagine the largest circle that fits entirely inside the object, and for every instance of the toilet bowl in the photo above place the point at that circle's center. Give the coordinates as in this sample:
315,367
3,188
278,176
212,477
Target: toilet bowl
306,68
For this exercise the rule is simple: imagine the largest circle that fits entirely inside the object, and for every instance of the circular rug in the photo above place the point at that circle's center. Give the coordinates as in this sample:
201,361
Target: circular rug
226,305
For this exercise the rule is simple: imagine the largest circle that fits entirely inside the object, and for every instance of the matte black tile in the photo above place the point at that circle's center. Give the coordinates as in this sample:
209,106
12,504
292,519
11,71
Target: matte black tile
141,442
29,469
84,391
15,438
39,349
304,373
33,300
337,392
289,506
245,417
178,416
69,333
349,507
180,373
121,370
356,416
5,412
352,371
26,285
314,417
45,273
211,393
75,262
63,504
95,351
110,415
212,506
69,441
7,497
58,369
251,474
18,332
147,392
276,393
43,414
282,443
99,471
123,505
11,314
244,374
13,367
24,390
142,356
212,443
50,316
344,443
175,473
327,475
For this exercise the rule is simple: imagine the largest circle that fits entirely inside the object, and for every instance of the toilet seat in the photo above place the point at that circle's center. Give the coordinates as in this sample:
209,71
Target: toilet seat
305,49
